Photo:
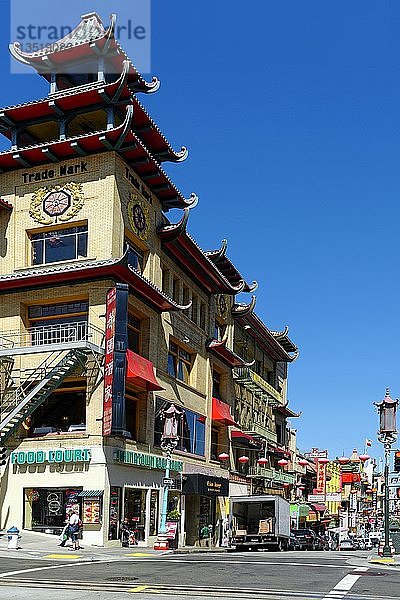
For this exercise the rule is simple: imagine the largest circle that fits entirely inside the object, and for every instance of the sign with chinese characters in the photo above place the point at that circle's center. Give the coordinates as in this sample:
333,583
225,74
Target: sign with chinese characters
316,453
111,308
321,478
61,455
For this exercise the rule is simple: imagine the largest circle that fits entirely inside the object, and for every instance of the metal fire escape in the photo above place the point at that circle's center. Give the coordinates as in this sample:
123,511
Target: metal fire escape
67,347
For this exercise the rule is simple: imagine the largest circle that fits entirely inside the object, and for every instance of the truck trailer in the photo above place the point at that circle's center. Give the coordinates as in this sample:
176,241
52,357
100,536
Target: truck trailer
259,522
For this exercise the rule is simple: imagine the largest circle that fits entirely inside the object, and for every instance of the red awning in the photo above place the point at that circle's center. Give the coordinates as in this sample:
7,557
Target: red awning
245,439
141,372
222,412
279,450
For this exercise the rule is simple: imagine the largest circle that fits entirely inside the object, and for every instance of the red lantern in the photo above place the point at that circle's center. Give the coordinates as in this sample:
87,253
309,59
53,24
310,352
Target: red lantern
364,457
243,459
343,460
302,487
223,456
262,461
302,462
323,461
286,485
283,462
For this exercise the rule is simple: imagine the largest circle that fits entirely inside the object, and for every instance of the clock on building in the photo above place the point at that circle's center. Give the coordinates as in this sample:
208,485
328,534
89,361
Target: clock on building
59,203
138,216
56,203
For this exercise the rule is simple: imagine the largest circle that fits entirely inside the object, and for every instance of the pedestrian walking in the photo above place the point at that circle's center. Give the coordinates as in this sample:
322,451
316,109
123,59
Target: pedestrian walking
64,534
73,522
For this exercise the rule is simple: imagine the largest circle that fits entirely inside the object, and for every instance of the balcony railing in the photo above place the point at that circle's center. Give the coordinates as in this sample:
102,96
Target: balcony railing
45,338
264,432
257,385
272,474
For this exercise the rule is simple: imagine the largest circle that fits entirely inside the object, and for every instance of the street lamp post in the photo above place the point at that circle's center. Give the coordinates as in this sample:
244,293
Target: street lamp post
169,441
387,435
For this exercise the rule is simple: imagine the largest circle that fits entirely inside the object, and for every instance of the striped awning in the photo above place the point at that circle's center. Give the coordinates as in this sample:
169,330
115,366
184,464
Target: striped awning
91,493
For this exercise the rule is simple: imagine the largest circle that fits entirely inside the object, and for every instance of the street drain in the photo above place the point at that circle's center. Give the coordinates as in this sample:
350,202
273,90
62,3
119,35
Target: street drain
121,578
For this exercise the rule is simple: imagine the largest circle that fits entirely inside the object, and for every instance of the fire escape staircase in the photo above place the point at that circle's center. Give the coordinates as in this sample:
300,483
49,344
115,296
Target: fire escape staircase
20,403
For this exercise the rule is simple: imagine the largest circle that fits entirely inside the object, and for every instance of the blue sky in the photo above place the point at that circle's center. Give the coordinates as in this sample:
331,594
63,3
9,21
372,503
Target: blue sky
291,112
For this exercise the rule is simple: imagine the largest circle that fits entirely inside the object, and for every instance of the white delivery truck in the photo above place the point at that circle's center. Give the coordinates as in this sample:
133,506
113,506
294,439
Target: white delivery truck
259,522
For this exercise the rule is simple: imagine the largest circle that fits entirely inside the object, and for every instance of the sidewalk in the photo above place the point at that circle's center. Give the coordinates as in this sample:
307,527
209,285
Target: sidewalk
46,546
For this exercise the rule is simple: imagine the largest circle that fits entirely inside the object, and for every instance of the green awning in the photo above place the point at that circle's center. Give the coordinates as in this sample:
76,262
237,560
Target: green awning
91,493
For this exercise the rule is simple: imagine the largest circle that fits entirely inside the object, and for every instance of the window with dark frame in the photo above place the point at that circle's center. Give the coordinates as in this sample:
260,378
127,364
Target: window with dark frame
195,304
58,323
134,334
180,362
216,391
135,256
58,245
214,442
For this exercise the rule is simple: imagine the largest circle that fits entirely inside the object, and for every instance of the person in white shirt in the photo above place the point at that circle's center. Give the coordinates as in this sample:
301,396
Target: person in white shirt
73,523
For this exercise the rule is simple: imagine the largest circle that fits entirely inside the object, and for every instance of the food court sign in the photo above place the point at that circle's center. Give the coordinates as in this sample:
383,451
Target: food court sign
61,455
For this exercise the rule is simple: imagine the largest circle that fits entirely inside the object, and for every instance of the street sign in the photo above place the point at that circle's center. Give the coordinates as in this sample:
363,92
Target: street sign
316,498
168,482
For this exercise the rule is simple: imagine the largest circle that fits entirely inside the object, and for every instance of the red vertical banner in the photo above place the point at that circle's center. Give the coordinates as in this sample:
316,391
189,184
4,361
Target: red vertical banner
321,478
111,307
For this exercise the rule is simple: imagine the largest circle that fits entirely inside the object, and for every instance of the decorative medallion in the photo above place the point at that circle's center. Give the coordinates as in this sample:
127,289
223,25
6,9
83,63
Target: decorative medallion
59,203
138,216
222,307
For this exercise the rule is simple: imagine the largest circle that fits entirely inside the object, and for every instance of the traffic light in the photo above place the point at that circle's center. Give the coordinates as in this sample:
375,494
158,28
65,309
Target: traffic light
397,461
3,456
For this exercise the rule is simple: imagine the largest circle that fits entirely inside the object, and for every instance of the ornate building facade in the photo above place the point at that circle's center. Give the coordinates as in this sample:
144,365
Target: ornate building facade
110,314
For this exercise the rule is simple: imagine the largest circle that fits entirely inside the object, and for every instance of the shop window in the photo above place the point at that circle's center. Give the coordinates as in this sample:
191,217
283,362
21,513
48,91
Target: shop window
59,245
135,512
191,429
216,392
58,323
115,513
179,362
134,334
47,508
131,411
135,256
63,411
185,295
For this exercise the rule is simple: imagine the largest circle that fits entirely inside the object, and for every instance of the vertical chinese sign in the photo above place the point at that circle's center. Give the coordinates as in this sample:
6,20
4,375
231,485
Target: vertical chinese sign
111,307
321,477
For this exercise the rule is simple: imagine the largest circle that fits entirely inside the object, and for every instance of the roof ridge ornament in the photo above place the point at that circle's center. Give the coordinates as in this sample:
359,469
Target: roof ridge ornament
241,309
176,229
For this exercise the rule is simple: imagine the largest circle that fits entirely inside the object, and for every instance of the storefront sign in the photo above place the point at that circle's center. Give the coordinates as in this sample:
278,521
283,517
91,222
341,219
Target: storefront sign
321,478
171,527
334,497
61,455
147,461
111,304
55,172
316,498
205,485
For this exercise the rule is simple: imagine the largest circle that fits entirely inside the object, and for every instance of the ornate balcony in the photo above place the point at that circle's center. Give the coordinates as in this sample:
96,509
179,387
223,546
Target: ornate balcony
271,474
258,386
261,431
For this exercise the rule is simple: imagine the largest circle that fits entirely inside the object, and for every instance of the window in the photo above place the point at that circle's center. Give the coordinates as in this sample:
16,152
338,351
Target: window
179,362
202,315
134,334
58,245
219,331
214,443
191,429
185,295
175,289
58,323
195,309
165,280
135,257
216,385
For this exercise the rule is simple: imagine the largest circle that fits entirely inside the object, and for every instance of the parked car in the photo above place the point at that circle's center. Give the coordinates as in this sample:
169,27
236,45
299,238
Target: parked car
347,544
294,543
306,538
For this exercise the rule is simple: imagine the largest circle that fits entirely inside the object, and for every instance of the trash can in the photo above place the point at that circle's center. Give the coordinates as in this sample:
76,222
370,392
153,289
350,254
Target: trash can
13,537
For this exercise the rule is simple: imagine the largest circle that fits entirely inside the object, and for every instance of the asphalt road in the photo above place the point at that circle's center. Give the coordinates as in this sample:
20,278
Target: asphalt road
242,576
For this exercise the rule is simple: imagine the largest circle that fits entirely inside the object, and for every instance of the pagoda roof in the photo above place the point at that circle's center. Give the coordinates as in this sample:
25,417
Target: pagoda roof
267,339
177,242
121,139
4,205
88,39
283,339
94,95
228,356
222,262
117,269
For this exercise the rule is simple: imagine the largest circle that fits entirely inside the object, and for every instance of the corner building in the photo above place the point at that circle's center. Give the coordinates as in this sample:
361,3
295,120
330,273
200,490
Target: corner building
109,312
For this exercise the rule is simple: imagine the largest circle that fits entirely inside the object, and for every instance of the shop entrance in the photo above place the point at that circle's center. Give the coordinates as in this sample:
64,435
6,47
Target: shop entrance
46,508
141,507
